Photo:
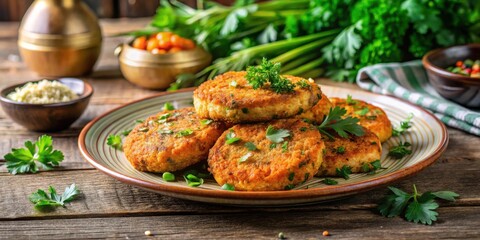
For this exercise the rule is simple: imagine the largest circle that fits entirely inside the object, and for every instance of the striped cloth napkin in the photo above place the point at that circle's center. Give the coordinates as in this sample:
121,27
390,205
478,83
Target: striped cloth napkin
409,81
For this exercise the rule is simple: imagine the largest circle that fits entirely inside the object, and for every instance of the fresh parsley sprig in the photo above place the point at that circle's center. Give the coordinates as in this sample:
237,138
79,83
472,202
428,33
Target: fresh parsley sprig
277,135
267,71
415,207
342,126
115,141
44,201
403,127
28,159
400,151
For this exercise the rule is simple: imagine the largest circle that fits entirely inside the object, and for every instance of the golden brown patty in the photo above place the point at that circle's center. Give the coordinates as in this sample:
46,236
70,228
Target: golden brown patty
371,117
272,166
171,141
317,112
217,99
354,151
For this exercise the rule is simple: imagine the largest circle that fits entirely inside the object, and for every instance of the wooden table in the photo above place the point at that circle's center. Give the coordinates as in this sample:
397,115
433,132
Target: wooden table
110,209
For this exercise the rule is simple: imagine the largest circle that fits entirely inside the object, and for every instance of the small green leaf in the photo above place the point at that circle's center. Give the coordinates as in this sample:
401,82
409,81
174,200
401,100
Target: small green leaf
344,172
250,146
168,106
184,133
206,121
329,181
231,137
276,135
228,187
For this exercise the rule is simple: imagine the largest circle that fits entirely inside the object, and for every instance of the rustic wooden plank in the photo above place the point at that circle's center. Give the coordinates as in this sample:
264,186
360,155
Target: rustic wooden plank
104,196
453,223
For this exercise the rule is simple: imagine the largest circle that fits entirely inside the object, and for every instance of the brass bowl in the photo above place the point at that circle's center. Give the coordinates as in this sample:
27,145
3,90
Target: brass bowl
158,71
59,38
48,117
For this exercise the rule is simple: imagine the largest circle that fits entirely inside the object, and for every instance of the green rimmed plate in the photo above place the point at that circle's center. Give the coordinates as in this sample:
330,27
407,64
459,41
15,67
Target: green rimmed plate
428,137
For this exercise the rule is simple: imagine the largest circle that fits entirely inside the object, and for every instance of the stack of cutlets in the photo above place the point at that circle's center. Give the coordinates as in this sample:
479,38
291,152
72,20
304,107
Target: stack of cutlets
257,139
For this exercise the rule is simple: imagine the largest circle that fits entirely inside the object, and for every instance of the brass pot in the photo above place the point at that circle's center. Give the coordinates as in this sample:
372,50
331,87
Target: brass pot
158,71
59,38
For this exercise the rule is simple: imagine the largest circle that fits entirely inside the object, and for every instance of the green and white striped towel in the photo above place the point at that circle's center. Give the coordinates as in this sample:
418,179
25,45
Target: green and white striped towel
409,81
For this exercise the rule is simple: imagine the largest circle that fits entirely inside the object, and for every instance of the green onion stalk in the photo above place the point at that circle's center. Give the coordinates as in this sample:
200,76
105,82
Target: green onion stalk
289,52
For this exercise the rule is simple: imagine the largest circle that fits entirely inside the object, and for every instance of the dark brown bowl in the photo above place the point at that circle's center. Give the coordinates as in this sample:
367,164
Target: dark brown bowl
48,117
458,88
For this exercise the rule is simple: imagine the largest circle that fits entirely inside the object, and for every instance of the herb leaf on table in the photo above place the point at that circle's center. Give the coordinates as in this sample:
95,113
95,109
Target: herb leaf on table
28,159
415,207
44,201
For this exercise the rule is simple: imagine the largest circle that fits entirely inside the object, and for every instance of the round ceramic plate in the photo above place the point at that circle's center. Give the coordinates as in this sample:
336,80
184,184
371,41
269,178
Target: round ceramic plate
428,137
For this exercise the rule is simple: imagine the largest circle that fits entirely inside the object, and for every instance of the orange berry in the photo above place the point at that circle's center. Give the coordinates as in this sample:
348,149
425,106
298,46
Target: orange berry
158,51
140,43
459,64
174,50
165,36
176,41
326,233
164,44
189,44
152,43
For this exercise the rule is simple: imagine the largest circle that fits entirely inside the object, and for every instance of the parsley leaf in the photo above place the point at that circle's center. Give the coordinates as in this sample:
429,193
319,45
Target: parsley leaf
25,160
344,172
350,100
206,121
417,207
258,76
250,146
168,106
372,167
245,157
44,201
232,137
114,141
362,112
277,135
342,126
400,151
404,126
329,181
184,133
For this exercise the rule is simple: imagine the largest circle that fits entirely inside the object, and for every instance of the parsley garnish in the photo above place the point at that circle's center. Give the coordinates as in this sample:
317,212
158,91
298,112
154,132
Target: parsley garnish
126,132
329,181
303,84
400,151
228,187
114,141
192,180
24,160
285,146
340,150
268,71
344,172
362,112
417,207
206,121
164,117
404,126
44,201
350,100
277,135
232,137
342,126
245,157
250,146
139,121
372,167
168,106
184,133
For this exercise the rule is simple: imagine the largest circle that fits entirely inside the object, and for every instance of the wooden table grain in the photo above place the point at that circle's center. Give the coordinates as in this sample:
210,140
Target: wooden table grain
110,209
